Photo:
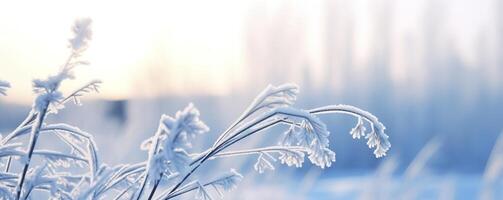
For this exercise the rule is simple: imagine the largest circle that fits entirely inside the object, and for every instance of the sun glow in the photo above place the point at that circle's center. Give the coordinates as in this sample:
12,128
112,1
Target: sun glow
167,47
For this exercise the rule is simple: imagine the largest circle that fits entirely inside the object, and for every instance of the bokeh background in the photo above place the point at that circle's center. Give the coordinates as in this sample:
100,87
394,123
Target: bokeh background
431,70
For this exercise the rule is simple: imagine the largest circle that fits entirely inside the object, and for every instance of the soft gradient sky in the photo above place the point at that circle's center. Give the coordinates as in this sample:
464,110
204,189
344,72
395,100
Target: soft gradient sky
148,48
132,42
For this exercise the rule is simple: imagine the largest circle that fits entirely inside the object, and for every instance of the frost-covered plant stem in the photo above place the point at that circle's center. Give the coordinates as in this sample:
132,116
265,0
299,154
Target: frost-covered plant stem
154,188
33,141
247,131
128,187
344,109
253,108
187,188
174,189
151,154
219,148
156,182
224,145
29,119
257,151
52,177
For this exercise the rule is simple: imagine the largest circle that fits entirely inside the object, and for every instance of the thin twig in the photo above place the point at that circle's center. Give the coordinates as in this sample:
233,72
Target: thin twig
33,141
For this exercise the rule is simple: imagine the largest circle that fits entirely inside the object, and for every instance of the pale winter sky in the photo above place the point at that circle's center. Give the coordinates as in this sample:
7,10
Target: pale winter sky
148,48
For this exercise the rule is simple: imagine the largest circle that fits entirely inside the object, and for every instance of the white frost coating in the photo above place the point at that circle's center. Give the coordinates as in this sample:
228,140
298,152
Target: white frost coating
292,158
47,89
59,159
122,176
263,163
74,137
376,138
201,193
4,85
95,185
289,155
348,109
74,131
43,177
69,129
50,100
92,159
13,149
171,157
228,181
183,128
312,135
290,137
91,154
83,33
87,88
271,97
167,149
359,130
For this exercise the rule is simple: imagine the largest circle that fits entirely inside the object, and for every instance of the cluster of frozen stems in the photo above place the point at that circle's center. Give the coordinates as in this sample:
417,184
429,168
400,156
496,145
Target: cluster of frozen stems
170,165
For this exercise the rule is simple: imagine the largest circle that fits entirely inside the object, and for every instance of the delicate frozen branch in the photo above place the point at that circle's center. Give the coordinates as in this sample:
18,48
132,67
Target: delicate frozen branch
166,148
87,88
315,136
376,138
122,174
271,149
55,156
226,182
312,133
123,192
28,120
96,185
33,140
271,97
48,129
320,155
151,165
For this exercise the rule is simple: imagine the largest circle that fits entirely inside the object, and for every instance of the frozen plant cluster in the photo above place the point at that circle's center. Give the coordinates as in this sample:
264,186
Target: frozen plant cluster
171,168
